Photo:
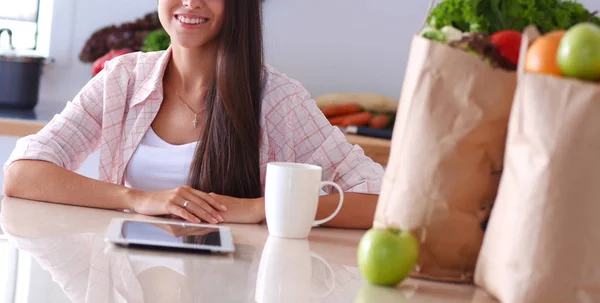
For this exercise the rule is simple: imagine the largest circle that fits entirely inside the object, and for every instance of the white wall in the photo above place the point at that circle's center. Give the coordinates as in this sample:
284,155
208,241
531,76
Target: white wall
342,45
329,45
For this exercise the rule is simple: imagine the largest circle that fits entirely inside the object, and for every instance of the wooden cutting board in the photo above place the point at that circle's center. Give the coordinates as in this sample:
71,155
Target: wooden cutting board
375,148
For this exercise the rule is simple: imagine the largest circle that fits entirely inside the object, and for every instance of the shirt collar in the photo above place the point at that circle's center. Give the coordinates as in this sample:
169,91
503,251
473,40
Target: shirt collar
153,83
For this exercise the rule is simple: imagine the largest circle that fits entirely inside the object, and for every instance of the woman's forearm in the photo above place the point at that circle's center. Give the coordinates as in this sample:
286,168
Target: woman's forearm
358,210
44,181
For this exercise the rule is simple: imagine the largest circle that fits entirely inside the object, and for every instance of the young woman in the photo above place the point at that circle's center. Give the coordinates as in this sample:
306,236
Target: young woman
189,131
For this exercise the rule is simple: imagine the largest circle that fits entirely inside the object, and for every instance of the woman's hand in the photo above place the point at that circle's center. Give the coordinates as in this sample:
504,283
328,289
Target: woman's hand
245,211
201,206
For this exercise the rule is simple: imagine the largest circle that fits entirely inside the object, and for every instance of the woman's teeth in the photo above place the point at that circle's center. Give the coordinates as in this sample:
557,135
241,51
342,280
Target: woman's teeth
187,20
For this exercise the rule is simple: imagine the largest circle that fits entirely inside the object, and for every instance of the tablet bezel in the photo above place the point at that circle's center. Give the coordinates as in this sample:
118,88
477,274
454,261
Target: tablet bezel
113,235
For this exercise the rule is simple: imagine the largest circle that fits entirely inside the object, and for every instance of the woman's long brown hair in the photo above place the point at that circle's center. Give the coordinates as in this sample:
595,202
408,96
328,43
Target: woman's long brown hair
226,161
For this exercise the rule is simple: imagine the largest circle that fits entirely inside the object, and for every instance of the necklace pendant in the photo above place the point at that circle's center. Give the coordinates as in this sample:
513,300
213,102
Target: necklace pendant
196,121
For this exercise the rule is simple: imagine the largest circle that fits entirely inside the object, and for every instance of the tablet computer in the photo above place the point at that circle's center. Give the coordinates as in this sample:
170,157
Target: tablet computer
172,235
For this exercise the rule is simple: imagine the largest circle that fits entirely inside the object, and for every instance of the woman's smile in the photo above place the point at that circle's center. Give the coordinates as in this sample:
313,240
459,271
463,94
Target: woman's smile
193,24
191,21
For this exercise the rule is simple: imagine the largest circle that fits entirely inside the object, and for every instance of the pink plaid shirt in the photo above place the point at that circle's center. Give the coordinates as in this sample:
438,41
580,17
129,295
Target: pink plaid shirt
116,108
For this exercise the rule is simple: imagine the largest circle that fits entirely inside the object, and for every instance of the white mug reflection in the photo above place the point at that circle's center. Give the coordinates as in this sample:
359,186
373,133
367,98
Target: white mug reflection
285,272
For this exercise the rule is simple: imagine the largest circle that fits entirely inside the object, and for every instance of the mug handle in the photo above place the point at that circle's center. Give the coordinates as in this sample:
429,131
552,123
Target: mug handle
325,183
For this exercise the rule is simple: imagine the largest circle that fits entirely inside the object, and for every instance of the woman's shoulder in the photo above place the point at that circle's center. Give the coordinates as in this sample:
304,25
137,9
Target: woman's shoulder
280,89
136,75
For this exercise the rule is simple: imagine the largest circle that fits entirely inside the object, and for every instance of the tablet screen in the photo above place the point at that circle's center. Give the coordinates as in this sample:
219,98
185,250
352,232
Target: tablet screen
170,233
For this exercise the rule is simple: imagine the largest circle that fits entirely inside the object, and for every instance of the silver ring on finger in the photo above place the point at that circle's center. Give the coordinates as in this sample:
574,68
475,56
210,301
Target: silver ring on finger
186,203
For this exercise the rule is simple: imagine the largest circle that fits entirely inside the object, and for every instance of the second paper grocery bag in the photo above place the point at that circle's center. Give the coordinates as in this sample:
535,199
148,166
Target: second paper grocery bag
543,239
446,156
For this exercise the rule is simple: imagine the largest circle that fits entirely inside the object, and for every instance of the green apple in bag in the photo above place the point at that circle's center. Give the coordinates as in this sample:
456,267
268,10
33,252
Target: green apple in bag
579,52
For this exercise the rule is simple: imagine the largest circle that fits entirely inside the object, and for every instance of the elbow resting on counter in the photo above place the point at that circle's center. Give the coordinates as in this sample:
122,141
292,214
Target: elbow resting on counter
17,180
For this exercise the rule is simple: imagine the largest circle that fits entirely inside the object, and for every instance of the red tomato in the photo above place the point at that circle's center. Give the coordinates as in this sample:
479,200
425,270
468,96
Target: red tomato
508,44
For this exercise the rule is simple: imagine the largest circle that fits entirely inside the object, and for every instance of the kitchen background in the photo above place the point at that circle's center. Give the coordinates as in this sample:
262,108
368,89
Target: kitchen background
330,46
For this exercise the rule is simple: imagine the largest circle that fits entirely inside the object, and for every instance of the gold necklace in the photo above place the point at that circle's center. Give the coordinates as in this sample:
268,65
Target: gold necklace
188,106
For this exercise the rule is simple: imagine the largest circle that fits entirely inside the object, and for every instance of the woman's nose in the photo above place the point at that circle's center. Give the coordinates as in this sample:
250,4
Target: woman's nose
193,3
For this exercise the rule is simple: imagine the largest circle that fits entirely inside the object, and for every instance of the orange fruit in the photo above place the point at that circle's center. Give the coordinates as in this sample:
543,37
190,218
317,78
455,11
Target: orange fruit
555,35
541,56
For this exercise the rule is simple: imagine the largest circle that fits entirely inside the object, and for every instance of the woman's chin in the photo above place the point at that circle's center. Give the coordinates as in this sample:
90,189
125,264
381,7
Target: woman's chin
191,44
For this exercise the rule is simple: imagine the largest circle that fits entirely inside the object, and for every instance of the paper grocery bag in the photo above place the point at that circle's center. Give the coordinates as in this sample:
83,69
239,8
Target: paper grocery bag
543,239
446,155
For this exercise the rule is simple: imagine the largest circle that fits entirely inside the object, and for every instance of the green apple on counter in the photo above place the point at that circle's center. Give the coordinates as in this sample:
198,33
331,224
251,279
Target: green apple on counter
387,256
579,52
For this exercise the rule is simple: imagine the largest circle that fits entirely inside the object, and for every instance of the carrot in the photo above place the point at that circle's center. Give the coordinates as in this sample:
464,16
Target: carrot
358,119
337,120
380,121
341,110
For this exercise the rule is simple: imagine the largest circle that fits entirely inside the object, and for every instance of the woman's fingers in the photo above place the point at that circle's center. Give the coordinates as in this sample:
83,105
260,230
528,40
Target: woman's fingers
208,198
201,208
182,213
177,204
204,212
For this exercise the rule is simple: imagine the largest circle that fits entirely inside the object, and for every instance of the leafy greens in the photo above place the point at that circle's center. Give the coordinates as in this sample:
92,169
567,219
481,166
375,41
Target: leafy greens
157,40
490,16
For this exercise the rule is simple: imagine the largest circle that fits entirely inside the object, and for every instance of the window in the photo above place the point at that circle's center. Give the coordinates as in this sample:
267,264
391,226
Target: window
21,17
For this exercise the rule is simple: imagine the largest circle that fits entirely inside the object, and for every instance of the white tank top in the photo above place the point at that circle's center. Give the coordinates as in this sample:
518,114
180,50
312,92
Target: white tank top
158,165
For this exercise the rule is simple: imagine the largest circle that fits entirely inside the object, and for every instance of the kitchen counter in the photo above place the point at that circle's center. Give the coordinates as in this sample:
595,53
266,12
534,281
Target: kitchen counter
68,242
19,122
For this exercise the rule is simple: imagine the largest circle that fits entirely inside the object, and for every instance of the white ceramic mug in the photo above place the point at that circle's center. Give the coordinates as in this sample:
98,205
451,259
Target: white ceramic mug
285,273
292,197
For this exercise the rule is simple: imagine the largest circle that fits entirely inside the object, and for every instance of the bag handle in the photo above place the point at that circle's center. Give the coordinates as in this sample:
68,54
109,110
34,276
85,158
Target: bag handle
530,33
429,10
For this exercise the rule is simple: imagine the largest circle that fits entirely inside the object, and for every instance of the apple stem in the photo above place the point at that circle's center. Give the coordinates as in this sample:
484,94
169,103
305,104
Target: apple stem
592,15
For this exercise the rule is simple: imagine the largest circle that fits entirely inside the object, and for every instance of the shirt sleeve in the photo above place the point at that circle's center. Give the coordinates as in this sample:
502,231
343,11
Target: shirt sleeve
317,142
71,136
